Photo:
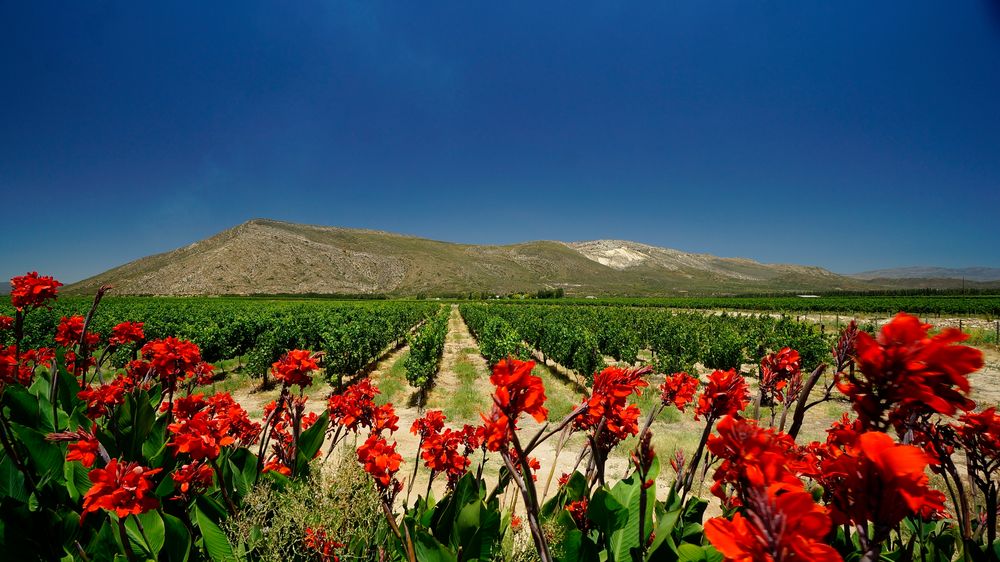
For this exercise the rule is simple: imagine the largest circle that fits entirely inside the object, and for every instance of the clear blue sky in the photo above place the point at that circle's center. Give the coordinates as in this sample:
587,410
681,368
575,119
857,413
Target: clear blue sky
851,135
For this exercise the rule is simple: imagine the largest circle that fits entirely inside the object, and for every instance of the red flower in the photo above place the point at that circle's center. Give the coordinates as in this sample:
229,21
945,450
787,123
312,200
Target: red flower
678,389
102,399
608,404
85,450
578,510
69,331
431,423
201,428
125,488
515,522
753,457
23,373
32,291
294,368
126,332
496,430
318,541
446,452
193,478
880,481
172,359
776,371
726,394
517,390
907,372
277,466
380,460
6,322
980,434
783,526
83,447
355,407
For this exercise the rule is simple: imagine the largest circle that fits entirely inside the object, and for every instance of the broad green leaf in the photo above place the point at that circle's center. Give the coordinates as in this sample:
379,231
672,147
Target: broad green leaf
215,542
177,539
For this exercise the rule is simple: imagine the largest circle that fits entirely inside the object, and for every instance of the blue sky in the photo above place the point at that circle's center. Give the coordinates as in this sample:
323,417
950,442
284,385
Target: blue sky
850,135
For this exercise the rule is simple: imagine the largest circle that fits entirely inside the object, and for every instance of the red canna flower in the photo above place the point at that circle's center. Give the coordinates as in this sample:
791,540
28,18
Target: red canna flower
678,389
355,408
6,322
294,368
102,399
906,373
125,488
276,465
202,427
446,452
381,461
83,447
515,522
777,370
578,510
432,423
24,372
85,450
173,360
781,526
318,541
31,290
608,406
126,332
980,434
69,331
193,478
753,456
518,391
726,394
880,481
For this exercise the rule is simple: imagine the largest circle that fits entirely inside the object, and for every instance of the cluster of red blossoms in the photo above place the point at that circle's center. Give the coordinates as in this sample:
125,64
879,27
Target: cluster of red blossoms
517,392
318,541
446,450
295,368
678,389
281,424
202,427
607,410
906,373
777,371
726,394
355,408
124,488
173,360
32,290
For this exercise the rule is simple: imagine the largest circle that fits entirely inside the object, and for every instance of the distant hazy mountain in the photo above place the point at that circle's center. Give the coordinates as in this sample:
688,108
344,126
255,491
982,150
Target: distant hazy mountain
981,274
271,257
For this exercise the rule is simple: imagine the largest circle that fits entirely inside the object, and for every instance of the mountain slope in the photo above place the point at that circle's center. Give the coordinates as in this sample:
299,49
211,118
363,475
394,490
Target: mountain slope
981,274
271,257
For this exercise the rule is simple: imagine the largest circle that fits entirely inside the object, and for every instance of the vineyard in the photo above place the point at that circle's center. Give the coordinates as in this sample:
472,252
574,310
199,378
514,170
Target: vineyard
629,431
987,306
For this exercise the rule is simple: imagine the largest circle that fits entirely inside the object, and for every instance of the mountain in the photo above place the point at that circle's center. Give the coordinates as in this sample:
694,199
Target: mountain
271,257
981,274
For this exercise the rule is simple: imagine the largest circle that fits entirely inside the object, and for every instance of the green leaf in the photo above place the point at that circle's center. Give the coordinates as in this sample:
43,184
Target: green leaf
77,479
177,539
310,442
47,457
429,549
11,480
214,540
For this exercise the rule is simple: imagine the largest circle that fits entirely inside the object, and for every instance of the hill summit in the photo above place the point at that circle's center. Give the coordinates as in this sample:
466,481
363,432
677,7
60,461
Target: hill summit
264,256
